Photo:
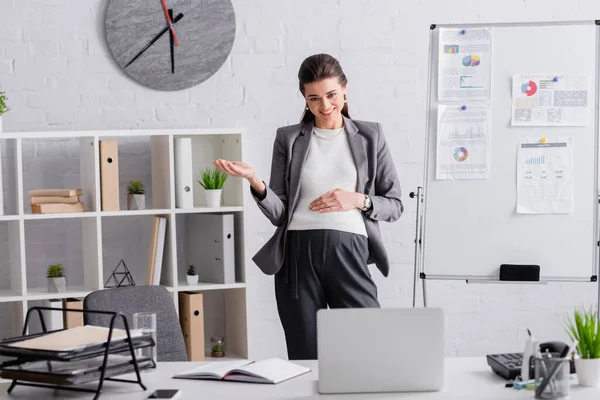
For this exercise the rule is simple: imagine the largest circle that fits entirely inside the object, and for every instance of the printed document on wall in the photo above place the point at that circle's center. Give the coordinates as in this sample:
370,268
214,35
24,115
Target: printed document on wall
545,177
463,148
465,64
550,100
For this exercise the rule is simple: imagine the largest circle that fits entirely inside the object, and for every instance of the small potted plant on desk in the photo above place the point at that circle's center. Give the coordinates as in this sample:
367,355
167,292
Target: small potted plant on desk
56,278
585,329
136,198
212,181
192,278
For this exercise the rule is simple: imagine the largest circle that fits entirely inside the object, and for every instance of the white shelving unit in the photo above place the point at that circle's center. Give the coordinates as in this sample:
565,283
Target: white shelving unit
225,305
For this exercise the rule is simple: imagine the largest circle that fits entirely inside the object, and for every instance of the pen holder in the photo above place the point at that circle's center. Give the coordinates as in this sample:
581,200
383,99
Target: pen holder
552,378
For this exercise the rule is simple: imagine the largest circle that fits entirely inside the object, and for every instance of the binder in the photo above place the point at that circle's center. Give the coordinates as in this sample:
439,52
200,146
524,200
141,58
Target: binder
72,319
156,250
191,317
184,175
210,245
109,175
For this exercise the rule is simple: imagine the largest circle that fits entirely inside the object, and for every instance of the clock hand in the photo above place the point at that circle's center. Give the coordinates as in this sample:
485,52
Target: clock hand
169,18
177,18
171,36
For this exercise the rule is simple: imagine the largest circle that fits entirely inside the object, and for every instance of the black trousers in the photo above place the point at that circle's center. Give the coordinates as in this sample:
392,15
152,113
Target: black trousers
322,268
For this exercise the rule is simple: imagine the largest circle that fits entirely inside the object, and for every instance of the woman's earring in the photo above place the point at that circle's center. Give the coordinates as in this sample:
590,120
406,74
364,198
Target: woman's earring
306,108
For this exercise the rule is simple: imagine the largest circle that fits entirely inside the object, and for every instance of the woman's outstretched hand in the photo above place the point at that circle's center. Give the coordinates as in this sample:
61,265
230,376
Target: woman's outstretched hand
235,168
242,170
337,200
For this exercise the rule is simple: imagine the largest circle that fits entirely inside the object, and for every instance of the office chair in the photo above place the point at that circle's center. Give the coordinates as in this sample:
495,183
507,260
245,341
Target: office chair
131,299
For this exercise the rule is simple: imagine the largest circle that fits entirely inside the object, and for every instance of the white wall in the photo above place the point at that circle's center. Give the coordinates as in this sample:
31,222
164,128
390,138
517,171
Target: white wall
59,75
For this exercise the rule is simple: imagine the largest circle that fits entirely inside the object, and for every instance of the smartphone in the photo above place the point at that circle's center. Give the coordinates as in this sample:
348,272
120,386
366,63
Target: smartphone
165,394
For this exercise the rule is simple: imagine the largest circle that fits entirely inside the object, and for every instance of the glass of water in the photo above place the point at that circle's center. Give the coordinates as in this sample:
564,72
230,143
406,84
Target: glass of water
146,322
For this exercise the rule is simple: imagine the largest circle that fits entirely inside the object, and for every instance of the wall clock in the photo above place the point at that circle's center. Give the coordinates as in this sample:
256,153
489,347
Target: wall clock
170,44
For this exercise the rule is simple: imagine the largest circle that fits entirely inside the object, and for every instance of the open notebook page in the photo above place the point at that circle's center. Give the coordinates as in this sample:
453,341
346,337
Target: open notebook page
272,370
215,370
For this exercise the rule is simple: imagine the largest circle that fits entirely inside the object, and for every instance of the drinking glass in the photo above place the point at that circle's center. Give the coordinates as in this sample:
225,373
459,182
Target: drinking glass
146,322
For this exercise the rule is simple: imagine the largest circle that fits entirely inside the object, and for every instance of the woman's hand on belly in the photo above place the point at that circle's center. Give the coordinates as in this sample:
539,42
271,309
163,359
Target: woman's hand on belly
338,200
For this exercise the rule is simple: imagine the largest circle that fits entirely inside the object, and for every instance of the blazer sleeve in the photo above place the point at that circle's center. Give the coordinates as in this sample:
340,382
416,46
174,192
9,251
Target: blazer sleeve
387,202
273,203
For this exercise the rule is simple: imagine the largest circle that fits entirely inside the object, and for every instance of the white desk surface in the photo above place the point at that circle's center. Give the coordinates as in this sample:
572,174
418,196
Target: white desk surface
466,379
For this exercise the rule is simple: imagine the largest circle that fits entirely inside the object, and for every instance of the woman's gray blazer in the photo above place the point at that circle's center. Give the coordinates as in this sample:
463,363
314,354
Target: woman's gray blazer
377,177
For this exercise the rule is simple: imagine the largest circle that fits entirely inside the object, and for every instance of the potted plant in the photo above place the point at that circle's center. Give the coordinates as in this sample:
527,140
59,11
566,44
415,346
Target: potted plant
192,278
217,346
136,198
56,278
584,328
3,107
212,180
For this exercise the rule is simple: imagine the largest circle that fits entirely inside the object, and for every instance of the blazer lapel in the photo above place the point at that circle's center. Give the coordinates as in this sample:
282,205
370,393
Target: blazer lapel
299,154
359,154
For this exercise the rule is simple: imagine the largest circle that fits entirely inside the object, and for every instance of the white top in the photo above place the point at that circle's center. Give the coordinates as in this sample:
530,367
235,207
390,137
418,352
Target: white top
329,165
465,378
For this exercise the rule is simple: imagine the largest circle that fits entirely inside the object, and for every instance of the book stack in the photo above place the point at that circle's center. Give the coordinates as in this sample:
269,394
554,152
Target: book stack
52,201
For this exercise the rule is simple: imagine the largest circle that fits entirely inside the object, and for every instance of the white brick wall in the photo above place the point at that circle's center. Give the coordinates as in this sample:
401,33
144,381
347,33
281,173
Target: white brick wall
58,73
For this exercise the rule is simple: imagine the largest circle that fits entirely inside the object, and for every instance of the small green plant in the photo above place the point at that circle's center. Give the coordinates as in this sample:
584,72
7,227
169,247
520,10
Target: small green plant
191,270
212,178
55,271
217,348
584,328
136,187
3,106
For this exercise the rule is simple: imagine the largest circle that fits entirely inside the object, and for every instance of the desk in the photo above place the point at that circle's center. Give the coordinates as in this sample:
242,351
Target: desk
466,379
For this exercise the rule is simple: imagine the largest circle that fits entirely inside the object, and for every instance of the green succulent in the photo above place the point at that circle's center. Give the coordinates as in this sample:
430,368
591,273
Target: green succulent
191,270
584,328
136,187
55,271
212,178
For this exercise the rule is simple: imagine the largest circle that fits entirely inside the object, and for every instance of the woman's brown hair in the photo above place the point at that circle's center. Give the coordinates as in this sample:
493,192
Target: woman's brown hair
318,67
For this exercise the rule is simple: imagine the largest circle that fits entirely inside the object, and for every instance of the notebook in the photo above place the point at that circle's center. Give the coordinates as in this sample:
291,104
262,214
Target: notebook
270,370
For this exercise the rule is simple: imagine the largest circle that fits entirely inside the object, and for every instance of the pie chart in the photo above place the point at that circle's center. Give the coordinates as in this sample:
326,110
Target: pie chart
460,154
471,61
529,88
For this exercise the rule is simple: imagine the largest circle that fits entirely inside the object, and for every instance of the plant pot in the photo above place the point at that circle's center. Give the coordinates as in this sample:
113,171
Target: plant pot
136,201
588,371
213,197
192,279
57,285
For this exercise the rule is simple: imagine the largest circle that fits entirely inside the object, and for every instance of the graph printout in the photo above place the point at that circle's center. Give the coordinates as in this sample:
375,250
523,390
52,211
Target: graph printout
463,150
550,100
465,64
545,177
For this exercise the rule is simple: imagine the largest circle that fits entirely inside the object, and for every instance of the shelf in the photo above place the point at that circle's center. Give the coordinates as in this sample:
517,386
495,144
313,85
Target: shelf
124,213
119,133
199,210
87,214
43,294
202,286
90,244
9,295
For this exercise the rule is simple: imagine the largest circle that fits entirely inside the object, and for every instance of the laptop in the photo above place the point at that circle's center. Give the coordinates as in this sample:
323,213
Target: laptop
362,350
